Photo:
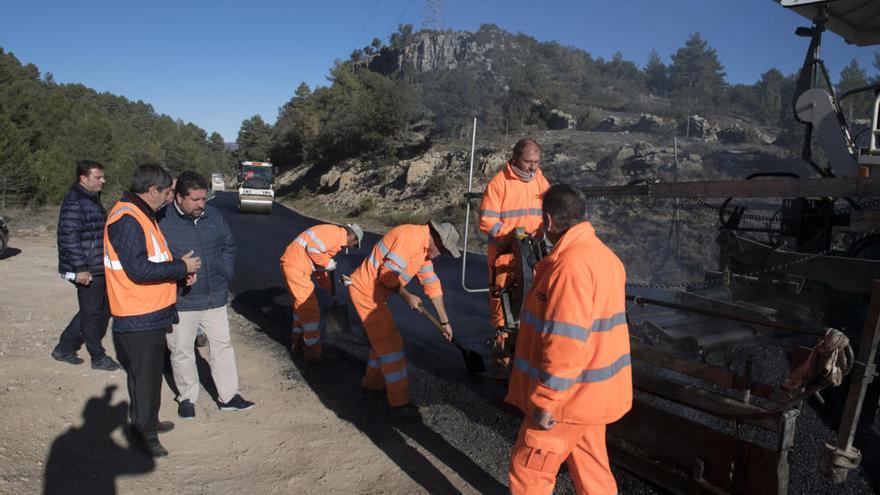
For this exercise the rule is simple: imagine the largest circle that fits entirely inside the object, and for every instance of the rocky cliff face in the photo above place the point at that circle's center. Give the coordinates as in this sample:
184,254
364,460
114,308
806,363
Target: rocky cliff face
426,51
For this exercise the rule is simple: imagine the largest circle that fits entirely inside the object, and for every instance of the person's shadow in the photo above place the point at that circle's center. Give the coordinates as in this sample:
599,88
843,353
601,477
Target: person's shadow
86,460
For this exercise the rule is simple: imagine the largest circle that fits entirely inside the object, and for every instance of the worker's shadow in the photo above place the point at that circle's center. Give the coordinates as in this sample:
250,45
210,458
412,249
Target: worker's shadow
86,460
337,385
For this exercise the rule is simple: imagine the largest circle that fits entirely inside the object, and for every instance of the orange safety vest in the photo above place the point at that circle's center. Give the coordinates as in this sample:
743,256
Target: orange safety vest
126,297
572,350
508,203
399,256
315,246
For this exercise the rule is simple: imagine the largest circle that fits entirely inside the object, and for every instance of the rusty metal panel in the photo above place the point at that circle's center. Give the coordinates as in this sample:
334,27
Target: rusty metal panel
688,457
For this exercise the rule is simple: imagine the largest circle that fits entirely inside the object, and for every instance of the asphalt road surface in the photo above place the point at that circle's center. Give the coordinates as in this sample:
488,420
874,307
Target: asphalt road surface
465,425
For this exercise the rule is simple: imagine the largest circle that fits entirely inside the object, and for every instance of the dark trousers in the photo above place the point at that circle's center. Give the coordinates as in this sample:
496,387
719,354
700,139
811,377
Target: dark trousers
142,355
89,325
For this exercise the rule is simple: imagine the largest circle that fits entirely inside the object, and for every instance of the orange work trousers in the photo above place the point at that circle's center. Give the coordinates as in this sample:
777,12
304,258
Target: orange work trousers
387,363
306,312
538,454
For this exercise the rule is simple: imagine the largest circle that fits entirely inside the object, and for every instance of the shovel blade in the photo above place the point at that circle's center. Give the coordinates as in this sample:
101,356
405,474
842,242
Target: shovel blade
337,320
473,360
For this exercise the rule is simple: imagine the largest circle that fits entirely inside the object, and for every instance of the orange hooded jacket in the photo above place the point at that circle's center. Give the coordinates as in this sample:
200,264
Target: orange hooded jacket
315,247
572,351
395,260
509,203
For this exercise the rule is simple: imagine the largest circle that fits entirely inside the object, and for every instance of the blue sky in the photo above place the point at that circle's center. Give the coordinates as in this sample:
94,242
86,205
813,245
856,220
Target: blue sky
217,63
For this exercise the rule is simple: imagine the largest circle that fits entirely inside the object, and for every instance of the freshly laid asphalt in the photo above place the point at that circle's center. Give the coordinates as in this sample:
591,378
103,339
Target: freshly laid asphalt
465,425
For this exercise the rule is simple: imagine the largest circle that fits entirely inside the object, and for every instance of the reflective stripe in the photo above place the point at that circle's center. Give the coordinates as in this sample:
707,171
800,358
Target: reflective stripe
574,331
374,262
586,376
112,264
490,213
390,358
555,327
302,242
428,268
521,213
382,248
496,228
429,280
296,317
317,241
161,256
606,324
313,341
394,268
314,250
297,330
397,259
372,363
120,210
309,327
395,376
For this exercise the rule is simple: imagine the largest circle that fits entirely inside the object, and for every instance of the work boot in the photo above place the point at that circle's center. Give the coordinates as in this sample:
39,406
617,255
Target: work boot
154,448
105,363
164,426
298,344
66,357
407,412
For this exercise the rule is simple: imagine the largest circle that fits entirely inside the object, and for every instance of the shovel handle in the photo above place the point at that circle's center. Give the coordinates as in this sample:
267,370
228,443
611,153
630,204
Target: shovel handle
427,314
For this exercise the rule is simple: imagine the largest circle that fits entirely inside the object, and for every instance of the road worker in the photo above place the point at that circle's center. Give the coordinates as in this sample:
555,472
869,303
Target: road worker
512,199
310,256
571,373
405,251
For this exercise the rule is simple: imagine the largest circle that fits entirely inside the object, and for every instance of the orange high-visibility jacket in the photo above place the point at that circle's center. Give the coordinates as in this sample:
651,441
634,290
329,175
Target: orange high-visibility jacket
572,351
508,203
126,297
396,259
315,247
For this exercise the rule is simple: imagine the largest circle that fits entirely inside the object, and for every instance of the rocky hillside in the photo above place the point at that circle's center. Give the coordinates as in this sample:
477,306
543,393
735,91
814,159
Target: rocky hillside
658,240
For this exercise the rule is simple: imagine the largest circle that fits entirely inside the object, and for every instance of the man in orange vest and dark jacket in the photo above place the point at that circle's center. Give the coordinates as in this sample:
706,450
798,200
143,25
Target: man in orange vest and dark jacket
571,372
404,252
311,254
142,291
512,199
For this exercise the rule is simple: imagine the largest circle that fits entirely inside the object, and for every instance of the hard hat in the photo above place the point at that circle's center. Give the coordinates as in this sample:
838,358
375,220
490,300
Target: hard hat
357,231
448,237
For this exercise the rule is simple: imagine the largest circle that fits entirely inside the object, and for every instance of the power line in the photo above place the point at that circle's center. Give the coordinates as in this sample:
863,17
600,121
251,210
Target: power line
402,13
364,27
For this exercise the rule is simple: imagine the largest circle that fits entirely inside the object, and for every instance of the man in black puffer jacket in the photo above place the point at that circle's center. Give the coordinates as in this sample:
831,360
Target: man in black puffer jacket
190,225
81,261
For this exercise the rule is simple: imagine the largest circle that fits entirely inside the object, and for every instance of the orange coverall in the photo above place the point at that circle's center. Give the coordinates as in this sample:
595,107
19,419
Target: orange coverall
314,248
508,203
573,360
393,262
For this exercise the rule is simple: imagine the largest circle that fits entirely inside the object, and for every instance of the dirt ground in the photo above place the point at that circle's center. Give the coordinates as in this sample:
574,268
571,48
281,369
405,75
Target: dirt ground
289,443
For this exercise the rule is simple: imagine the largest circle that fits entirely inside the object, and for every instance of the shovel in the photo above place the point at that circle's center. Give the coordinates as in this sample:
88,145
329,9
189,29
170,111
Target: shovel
473,361
336,318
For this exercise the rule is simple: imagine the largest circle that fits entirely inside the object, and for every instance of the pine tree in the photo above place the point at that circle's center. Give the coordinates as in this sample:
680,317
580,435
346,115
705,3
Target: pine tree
851,77
254,139
696,76
656,74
